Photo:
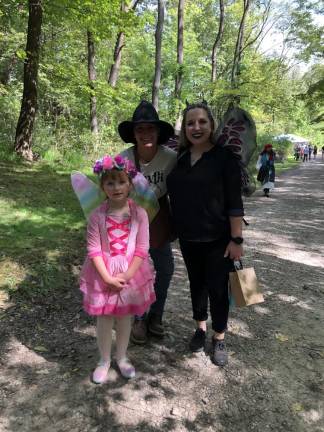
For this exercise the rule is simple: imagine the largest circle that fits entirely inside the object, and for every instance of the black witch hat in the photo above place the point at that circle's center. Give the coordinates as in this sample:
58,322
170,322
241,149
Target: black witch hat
145,113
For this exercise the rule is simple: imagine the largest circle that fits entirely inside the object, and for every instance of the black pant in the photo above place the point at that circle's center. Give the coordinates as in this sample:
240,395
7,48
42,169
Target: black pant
208,275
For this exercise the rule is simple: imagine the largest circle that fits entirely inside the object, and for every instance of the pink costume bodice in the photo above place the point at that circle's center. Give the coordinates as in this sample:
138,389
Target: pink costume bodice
131,230
118,229
118,233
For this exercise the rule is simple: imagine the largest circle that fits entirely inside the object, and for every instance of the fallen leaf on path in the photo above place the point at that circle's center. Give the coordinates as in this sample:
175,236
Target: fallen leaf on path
282,338
40,348
297,407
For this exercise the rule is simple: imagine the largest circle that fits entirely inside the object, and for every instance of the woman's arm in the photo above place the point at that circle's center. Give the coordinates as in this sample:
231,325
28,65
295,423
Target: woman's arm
234,207
235,251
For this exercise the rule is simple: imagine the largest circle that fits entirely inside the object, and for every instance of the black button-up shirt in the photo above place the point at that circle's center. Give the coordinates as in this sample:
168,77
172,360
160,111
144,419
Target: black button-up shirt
204,195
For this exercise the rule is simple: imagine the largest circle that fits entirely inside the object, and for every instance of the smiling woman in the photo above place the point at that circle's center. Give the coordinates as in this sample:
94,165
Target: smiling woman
147,132
207,210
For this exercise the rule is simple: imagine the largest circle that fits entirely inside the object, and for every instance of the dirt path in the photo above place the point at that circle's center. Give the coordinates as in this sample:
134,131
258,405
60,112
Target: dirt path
274,380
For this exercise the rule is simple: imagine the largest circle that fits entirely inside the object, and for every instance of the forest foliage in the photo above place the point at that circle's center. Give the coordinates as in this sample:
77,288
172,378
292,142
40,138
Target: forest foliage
84,42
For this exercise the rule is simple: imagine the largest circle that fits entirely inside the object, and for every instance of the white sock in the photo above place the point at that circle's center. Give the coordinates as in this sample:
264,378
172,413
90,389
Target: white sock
104,337
123,329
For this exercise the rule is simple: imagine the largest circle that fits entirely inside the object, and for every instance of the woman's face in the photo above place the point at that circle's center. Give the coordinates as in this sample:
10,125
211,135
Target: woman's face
198,127
146,135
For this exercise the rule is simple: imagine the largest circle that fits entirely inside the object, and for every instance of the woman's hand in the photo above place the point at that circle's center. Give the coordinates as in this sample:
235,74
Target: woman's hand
234,251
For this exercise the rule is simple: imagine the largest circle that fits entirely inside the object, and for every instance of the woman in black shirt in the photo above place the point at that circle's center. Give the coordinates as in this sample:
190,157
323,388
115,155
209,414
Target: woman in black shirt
207,209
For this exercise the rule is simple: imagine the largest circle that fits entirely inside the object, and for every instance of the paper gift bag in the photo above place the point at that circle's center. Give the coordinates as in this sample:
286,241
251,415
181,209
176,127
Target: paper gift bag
244,287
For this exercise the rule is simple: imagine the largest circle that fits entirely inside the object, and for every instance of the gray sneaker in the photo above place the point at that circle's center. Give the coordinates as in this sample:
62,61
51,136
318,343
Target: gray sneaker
154,325
139,332
219,354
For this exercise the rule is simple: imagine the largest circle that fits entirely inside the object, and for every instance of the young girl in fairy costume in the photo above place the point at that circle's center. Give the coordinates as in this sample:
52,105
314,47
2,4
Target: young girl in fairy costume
116,278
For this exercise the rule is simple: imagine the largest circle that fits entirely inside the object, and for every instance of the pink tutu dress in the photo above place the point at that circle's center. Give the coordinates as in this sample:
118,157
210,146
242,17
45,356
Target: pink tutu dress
117,241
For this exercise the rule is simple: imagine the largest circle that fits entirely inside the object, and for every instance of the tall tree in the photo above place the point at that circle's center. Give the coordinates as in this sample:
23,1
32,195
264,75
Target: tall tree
239,46
92,78
158,57
24,130
218,41
306,30
179,74
119,45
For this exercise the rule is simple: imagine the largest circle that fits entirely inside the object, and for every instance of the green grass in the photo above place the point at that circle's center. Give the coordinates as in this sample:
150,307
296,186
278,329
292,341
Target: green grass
42,229
288,164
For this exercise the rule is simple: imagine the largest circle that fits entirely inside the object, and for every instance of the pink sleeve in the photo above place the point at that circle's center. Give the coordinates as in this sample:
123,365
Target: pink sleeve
143,236
93,237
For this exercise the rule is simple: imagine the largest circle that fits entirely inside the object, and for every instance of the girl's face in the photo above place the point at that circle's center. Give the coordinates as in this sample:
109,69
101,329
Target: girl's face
198,127
116,186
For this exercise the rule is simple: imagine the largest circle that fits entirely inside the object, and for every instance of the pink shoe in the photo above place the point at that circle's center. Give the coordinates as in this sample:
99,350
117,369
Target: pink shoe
126,368
100,374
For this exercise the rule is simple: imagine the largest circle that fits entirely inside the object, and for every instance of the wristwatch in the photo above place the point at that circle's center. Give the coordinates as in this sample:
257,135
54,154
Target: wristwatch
237,240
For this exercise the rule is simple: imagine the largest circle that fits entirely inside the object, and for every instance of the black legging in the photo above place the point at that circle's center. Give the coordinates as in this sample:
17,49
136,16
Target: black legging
208,275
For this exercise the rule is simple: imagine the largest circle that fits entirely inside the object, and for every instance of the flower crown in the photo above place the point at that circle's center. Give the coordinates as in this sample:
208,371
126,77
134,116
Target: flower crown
107,163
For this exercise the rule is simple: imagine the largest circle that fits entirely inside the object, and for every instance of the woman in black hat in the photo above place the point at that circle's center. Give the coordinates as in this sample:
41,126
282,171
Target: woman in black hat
147,132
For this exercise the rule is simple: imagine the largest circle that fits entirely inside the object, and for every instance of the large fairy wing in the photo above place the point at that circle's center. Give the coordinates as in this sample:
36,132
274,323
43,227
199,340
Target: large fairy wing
91,196
88,193
143,195
237,131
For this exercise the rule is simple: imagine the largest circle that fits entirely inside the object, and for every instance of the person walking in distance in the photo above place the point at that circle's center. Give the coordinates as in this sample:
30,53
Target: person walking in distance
266,166
315,151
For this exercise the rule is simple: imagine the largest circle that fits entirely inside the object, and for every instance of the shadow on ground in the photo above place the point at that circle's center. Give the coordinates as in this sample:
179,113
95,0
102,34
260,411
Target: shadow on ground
275,377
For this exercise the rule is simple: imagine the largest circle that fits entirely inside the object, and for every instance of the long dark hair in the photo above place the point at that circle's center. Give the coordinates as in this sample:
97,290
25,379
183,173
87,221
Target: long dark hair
184,143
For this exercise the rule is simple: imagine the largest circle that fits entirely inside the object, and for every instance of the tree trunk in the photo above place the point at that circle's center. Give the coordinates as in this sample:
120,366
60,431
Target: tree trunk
179,75
120,43
92,78
115,67
158,60
24,130
218,40
239,45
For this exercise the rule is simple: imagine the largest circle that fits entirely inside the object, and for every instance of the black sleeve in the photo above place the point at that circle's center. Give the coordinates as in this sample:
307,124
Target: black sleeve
232,186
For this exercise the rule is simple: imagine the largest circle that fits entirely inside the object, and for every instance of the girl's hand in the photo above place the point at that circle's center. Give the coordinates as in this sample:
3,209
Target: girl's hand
126,276
116,283
234,251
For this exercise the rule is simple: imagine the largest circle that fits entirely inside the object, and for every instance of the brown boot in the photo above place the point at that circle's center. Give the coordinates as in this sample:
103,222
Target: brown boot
139,332
154,325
